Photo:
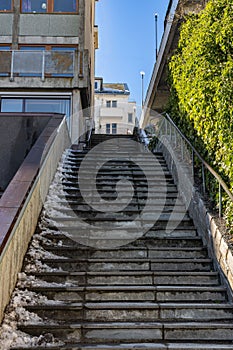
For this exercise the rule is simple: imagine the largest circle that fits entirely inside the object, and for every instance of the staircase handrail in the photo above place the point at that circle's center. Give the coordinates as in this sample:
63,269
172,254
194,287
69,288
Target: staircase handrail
221,182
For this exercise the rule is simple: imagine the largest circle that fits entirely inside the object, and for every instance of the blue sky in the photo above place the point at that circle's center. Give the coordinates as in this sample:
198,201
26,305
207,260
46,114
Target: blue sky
127,41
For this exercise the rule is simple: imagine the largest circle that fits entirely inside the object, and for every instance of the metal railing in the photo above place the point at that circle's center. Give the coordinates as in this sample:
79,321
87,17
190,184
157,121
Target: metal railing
37,63
188,153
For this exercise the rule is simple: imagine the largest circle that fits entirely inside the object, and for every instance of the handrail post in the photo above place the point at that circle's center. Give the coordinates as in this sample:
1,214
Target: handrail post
182,149
12,65
43,66
220,201
203,178
193,166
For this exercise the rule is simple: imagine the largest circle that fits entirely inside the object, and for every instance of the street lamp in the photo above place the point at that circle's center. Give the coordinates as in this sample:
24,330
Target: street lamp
142,75
156,35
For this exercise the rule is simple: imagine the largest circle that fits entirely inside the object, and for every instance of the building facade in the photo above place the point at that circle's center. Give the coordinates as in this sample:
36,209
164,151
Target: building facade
114,113
47,58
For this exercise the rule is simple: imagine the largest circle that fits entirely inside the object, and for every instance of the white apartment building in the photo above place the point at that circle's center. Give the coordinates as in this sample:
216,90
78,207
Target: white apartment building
114,113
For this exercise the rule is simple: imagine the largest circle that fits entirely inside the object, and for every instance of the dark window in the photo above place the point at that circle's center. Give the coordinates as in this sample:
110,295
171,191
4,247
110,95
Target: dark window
130,118
114,128
108,104
5,5
64,6
108,131
96,85
114,104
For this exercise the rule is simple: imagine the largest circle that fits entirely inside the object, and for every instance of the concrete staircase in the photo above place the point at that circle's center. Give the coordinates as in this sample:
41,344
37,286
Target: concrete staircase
158,292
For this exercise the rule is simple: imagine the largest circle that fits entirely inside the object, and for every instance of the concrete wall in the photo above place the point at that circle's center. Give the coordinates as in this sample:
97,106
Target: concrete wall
6,25
17,136
19,214
49,25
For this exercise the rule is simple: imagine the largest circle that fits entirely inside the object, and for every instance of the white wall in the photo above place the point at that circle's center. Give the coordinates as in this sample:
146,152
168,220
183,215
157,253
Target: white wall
111,115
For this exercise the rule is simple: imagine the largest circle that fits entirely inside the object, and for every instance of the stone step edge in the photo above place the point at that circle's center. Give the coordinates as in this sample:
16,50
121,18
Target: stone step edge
128,260
125,273
130,325
192,345
128,305
123,288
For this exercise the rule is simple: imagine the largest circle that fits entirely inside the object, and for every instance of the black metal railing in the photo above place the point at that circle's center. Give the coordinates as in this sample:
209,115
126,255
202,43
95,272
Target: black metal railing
187,151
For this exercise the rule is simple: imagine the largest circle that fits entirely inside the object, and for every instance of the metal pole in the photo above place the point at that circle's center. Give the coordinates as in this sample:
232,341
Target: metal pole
12,65
203,178
43,66
220,201
193,166
142,75
156,36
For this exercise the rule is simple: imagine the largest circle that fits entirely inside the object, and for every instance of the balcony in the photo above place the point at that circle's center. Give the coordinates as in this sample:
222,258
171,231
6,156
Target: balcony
41,64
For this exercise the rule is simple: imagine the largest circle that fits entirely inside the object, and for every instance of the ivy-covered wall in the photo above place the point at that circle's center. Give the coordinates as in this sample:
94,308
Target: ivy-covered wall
201,78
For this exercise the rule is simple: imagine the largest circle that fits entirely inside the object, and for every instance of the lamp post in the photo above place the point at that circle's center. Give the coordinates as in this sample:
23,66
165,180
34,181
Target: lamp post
142,75
156,35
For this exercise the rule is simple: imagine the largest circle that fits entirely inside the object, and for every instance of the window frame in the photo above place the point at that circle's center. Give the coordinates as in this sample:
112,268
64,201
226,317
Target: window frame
7,11
50,9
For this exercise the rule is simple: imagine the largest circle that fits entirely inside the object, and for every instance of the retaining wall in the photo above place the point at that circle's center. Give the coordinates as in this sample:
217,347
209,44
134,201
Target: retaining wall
204,222
22,201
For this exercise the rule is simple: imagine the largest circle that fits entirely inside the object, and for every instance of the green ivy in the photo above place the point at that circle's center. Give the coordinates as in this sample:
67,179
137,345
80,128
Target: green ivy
201,79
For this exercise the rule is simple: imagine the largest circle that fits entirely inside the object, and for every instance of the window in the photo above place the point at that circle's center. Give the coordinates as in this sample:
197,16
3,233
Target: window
110,104
5,61
5,5
47,105
114,128
43,6
12,105
130,117
108,130
96,85
65,6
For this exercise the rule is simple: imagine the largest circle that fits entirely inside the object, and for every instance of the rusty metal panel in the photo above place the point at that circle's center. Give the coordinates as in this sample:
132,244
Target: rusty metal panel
5,61
60,63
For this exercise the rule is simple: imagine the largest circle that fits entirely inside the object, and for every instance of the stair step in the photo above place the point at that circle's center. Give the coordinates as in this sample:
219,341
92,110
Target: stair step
130,264
133,293
134,332
190,240
126,311
131,278
138,252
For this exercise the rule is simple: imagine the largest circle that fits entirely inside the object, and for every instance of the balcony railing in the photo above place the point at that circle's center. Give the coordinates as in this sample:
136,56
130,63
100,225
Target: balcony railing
37,63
